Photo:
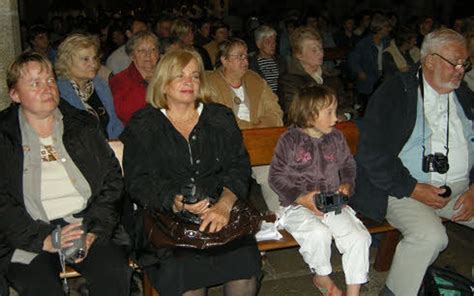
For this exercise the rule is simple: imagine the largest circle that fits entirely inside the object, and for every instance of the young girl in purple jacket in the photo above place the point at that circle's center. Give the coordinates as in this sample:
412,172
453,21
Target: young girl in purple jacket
312,157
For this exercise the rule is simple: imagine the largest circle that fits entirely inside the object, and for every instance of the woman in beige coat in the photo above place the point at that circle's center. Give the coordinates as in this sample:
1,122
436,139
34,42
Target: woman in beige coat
244,91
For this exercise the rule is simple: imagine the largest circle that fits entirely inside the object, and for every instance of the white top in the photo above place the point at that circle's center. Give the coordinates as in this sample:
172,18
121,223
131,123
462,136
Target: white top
436,112
242,110
379,56
58,194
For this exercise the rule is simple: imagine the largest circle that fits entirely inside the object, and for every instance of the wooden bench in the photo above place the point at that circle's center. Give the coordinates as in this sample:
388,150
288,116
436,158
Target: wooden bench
261,143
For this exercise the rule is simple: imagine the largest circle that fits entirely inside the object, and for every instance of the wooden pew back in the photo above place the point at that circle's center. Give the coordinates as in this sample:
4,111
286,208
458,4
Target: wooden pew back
261,142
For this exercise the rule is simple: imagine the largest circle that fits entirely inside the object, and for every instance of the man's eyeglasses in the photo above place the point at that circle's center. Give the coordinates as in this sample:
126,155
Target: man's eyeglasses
239,56
466,66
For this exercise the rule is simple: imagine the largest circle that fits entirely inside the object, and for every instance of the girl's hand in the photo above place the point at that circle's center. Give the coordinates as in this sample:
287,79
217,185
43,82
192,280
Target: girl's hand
345,189
307,201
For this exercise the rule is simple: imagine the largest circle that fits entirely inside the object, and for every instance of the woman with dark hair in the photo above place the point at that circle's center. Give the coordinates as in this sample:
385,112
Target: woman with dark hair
183,31
365,60
219,32
396,57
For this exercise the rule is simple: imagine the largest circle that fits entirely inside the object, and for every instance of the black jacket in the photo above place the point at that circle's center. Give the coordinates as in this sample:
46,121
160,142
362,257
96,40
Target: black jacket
387,125
158,162
280,61
92,155
295,77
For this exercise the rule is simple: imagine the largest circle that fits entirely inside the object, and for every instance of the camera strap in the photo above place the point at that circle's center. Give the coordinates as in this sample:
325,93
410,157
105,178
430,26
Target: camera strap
56,242
422,93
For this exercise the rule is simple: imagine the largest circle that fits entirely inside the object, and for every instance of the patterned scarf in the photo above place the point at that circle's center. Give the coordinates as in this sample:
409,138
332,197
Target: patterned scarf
85,94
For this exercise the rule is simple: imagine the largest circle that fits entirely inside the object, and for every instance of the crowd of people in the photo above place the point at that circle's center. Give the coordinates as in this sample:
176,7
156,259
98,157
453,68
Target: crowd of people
178,90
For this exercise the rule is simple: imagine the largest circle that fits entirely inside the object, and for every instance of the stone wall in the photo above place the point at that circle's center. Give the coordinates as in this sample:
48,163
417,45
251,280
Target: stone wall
9,45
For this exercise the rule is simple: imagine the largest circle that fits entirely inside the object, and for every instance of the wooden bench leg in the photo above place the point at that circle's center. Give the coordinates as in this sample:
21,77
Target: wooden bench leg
386,250
148,289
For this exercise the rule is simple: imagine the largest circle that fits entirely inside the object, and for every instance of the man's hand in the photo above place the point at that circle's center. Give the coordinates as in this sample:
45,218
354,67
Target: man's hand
307,201
428,194
464,206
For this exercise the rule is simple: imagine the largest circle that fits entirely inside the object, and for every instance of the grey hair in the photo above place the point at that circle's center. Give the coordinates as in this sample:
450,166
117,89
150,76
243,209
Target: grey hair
439,38
378,22
263,32
139,37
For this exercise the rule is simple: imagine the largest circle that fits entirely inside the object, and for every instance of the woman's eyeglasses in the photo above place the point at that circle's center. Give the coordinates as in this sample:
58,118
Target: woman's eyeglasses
239,56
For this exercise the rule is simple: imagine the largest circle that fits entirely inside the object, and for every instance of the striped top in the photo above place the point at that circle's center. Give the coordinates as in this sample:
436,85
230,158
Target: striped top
269,69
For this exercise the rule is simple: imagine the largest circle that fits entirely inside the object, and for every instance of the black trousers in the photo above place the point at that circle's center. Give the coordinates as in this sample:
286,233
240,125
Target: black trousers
105,269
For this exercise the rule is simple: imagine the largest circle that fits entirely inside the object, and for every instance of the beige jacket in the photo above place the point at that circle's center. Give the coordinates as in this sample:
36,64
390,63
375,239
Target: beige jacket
263,103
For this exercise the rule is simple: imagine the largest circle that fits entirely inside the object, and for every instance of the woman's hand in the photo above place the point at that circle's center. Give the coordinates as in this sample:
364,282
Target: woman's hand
90,239
307,201
68,234
218,215
198,208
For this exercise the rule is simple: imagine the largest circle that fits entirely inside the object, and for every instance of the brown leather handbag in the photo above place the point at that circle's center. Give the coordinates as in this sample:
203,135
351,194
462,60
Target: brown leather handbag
165,230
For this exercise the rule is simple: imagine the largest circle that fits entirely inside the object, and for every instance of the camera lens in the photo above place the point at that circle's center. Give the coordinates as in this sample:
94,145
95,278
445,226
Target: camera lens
447,191
81,253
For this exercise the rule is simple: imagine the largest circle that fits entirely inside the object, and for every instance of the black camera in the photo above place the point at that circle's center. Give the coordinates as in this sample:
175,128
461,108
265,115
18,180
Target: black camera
330,201
191,195
77,250
437,162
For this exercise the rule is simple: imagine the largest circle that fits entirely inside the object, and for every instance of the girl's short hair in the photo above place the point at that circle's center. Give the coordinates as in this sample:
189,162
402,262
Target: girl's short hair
169,68
308,102
69,47
301,34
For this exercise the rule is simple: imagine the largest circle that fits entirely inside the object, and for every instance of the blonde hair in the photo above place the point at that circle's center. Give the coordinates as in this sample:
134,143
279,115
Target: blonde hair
15,69
301,34
180,27
307,104
68,49
169,68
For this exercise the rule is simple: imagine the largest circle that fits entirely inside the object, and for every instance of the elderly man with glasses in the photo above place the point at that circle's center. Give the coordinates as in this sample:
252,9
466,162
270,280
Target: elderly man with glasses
415,157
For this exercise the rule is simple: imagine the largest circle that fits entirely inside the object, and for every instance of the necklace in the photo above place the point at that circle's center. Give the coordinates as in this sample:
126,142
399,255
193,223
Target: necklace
185,121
